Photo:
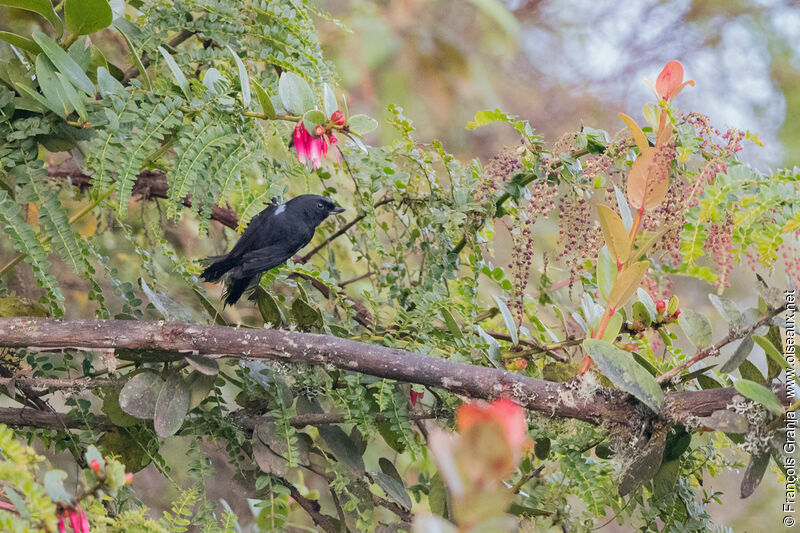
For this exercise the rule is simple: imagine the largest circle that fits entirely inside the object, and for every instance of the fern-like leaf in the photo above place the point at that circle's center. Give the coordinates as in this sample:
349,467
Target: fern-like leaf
195,149
25,241
161,118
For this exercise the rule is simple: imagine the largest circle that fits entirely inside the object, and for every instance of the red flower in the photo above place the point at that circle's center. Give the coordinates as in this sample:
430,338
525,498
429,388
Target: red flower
416,396
508,414
301,140
312,148
670,81
94,465
338,118
77,521
84,522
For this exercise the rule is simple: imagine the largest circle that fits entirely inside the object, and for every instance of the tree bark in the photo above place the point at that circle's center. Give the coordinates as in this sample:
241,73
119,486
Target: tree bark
577,399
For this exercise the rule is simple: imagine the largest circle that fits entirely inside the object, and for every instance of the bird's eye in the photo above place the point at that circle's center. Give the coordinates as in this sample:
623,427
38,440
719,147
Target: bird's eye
320,205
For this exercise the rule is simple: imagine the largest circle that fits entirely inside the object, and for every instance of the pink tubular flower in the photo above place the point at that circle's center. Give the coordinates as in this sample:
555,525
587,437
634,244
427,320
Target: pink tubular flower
84,521
301,140
75,521
311,148
62,528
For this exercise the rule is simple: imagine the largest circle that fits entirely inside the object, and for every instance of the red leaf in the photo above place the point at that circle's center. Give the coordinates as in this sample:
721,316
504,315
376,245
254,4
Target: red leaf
669,79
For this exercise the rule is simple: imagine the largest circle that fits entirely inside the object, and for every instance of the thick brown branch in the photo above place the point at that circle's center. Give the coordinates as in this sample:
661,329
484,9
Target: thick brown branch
67,383
173,340
28,417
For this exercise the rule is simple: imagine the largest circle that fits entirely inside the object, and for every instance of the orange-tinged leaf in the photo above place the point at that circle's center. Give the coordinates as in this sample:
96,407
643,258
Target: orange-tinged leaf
636,131
676,91
669,79
637,178
647,184
508,414
614,233
627,282
664,129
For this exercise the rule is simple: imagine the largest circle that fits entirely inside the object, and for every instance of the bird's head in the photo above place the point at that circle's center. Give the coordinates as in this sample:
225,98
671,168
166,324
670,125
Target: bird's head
317,208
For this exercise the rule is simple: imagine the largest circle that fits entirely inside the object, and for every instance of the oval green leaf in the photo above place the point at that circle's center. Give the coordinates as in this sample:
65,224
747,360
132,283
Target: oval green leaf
172,406
296,94
625,373
20,42
759,393
138,396
738,357
696,327
87,16
42,7
361,124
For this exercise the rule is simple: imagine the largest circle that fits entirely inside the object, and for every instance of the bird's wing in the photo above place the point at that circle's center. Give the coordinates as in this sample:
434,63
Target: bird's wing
258,224
263,259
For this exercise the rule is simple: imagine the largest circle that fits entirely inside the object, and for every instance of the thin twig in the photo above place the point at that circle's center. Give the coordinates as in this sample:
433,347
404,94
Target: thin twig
714,349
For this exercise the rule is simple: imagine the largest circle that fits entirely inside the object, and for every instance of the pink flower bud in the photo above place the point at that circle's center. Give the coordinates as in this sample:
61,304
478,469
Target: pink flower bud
94,465
128,477
338,118
319,131
661,306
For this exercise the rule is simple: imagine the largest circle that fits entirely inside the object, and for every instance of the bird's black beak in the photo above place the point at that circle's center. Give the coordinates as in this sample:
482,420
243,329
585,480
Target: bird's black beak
336,210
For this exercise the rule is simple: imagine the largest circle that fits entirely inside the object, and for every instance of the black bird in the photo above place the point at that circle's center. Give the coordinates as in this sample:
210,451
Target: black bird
271,237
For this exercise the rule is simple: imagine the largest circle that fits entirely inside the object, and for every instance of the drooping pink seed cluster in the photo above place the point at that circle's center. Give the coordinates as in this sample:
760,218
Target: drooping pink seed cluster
500,169
659,290
579,236
563,144
540,204
659,169
719,247
791,258
596,165
670,216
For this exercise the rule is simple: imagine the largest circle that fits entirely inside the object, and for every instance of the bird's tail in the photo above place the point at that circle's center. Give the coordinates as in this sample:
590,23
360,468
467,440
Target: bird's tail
216,267
234,288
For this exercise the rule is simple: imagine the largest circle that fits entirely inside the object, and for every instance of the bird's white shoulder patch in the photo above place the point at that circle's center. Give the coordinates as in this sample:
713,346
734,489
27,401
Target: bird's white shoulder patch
281,209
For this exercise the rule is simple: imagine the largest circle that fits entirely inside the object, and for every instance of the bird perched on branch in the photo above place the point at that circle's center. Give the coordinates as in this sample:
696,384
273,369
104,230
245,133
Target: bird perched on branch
271,237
